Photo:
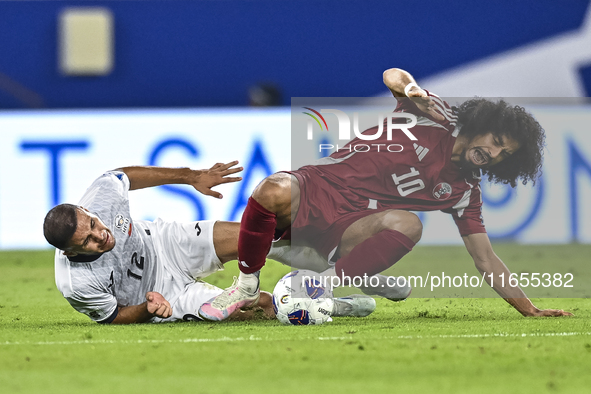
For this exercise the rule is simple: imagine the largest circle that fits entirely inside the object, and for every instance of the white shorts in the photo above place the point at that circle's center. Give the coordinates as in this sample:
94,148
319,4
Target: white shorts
184,254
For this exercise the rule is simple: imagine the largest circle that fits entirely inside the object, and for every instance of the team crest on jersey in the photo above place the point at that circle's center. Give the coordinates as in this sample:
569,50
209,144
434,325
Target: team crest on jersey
442,191
123,224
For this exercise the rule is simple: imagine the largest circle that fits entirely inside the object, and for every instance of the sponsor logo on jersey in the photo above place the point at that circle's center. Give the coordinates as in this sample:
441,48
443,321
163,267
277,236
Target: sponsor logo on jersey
124,224
324,311
442,191
421,152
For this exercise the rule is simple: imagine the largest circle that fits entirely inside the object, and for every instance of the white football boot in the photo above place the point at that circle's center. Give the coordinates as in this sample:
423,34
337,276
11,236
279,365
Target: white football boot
355,305
387,287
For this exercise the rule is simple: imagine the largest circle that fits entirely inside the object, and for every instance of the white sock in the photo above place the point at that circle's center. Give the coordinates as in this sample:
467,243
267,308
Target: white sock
249,282
279,251
332,271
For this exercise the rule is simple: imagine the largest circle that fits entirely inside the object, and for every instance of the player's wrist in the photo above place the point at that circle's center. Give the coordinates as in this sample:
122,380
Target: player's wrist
187,175
409,86
529,309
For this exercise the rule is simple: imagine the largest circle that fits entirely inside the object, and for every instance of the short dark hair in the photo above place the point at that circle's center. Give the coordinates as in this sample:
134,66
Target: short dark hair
480,116
60,225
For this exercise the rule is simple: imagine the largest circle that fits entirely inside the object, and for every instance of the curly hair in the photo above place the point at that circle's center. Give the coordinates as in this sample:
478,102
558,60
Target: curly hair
480,116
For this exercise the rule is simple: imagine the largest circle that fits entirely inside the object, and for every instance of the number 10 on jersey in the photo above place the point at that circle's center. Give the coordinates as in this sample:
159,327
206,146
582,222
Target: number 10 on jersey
406,186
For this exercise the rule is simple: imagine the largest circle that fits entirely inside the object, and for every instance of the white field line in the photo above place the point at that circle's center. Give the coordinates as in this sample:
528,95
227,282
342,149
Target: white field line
252,338
498,335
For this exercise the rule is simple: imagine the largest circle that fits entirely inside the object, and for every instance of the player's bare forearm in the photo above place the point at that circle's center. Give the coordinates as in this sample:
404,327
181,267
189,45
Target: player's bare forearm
396,80
513,295
491,266
141,177
402,84
155,306
495,268
133,314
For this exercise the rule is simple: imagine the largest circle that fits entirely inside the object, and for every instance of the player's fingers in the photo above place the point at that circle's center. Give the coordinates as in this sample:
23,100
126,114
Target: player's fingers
560,312
555,312
153,308
232,171
160,311
209,192
436,115
417,93
228,165
231,179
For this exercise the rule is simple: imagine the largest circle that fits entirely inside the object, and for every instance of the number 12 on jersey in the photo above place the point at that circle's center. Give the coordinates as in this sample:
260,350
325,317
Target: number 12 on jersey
139,264
405,186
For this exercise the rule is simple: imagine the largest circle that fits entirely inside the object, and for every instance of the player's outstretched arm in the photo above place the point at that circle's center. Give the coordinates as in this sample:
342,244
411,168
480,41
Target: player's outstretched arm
141,177
397,80
488,262
155,306
402,84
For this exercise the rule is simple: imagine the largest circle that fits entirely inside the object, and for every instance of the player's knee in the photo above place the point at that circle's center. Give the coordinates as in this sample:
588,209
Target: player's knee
274,192
414,227
407,223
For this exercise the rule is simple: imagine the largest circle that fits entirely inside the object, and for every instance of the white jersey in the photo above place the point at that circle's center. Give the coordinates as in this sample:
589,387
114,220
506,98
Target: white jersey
97,285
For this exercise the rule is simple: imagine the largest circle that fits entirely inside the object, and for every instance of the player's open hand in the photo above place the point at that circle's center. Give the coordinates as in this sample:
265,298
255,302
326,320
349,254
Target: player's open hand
157,305
424,103
551,313
216,175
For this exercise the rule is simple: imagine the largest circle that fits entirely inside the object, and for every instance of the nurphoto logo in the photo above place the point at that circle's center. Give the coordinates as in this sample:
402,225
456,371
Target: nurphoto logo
385,121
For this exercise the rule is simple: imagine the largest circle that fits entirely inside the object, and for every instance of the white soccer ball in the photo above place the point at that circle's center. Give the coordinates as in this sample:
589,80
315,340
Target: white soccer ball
300,299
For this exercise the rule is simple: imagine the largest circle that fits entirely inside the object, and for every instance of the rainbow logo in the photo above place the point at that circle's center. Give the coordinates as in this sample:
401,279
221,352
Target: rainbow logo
315,118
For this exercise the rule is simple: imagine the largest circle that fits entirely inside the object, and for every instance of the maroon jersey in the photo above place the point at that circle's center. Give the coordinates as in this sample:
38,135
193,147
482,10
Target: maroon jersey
421,177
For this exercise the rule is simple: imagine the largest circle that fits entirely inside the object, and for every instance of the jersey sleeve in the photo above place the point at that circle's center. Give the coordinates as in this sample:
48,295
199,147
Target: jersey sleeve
450,119
111,185
84,293
467,214
100,307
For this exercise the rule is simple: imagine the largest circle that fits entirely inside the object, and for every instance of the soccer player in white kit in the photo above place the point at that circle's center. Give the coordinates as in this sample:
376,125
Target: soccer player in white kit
118,270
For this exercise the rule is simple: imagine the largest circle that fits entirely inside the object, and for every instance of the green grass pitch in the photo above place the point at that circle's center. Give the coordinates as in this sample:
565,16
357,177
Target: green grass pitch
422,345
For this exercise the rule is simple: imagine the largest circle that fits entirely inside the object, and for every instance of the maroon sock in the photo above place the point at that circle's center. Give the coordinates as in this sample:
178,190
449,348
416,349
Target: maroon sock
256,234
375,254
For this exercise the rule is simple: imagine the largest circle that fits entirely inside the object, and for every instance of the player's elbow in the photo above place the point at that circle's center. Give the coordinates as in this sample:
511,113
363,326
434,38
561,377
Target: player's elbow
392,75
389,75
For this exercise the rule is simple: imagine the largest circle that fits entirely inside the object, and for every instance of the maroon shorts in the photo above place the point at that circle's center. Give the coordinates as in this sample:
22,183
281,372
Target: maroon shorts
326,210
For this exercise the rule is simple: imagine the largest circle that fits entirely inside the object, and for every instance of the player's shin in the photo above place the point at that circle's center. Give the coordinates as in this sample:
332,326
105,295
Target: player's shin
254,241
361,267
375,254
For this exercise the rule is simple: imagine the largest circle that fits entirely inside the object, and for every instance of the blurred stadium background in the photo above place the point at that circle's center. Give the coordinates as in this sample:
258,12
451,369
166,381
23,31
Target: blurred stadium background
90,86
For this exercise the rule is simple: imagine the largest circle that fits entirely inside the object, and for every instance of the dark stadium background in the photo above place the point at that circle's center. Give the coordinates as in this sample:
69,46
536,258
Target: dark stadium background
208,53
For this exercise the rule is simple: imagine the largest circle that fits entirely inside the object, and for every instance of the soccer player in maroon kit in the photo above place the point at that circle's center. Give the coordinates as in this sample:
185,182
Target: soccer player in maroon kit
353,207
